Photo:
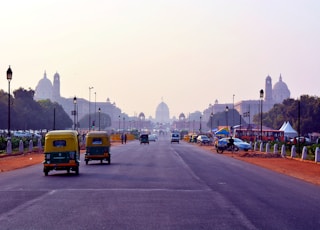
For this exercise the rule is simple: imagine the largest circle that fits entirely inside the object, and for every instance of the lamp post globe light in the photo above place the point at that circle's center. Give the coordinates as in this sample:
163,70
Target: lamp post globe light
9,78
74,112
261,100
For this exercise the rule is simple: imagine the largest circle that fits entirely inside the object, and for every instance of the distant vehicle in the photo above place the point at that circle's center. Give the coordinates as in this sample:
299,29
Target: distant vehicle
239,144
203,139
193,138
152,137
303,140
175,137
97,146
22,134
144,139
267,134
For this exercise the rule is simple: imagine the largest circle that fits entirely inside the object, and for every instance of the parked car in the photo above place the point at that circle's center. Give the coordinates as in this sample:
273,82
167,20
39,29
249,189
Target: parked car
22,134
152,137
240,144
303,140
203,139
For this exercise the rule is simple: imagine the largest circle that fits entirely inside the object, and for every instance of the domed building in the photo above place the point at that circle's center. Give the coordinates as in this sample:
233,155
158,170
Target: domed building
44,89
272,94
162,113
280,91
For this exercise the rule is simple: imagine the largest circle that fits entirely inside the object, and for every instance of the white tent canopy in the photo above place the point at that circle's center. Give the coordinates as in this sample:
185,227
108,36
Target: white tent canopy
283,125
288,130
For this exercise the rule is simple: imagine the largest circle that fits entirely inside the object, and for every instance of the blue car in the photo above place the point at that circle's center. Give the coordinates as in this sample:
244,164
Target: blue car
240,144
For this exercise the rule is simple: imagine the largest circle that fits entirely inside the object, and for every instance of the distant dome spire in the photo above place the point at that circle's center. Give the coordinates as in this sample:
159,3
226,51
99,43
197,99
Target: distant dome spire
44,89
162,113
280,91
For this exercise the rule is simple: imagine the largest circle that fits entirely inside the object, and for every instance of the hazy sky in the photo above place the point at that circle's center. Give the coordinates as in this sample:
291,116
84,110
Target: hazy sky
187,52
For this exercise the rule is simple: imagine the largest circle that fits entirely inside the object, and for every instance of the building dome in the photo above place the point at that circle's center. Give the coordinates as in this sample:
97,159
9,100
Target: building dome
142,116
43,89
162,113
182,116
280,91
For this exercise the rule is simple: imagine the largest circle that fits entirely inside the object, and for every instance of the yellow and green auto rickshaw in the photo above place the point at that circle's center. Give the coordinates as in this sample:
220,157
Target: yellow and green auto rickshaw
97,146
61,151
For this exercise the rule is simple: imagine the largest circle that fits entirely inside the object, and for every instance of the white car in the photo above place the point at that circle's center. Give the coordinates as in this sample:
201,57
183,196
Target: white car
203,139
152,137
22,134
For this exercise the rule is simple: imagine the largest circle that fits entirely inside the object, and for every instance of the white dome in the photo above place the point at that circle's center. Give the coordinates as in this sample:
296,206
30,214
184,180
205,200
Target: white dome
43,89
280,91
162,113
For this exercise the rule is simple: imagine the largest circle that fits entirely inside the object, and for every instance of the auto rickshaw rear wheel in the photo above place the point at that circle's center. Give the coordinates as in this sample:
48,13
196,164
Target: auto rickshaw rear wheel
77,170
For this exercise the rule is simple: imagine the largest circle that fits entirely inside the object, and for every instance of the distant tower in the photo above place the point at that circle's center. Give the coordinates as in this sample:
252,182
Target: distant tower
56,87
268,89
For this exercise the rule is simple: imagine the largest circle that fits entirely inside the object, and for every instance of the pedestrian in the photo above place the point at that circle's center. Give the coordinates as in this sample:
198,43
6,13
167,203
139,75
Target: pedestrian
122,138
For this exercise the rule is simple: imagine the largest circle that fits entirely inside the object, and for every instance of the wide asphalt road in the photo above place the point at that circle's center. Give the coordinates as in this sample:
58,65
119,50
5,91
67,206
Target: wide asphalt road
158,186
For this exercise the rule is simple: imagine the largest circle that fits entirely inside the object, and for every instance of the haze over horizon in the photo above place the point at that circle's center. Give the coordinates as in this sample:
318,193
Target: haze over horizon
138,53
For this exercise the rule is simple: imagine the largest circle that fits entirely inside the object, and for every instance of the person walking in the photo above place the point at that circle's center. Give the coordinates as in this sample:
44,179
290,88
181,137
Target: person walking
125,138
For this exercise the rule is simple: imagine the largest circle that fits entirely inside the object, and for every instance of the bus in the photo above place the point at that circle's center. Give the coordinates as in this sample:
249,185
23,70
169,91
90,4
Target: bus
254,134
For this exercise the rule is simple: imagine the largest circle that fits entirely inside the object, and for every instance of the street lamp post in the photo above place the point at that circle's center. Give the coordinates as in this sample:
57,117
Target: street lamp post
54,118
233,110
299,114
95,106
200,125
90,88
211,116
240,127
261,99
119,123
75,113
227,110
9,78
99,117
193,126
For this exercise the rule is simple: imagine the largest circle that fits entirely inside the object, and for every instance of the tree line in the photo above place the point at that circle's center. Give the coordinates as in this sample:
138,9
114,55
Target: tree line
302,113
26,113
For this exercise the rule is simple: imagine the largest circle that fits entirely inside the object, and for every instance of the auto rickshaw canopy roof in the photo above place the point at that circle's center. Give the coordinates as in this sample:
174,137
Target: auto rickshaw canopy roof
61,140
97,138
